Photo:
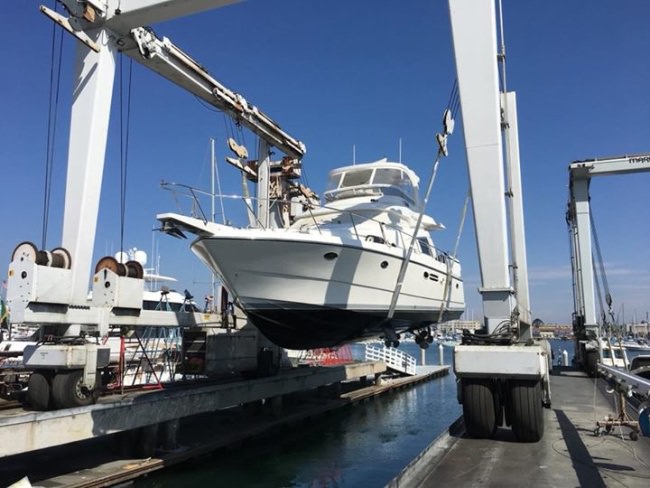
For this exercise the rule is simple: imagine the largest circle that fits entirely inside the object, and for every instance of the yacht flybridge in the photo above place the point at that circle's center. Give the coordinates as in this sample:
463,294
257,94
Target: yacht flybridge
329,276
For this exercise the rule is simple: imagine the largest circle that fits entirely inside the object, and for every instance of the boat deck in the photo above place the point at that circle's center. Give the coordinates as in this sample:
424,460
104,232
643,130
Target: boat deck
569,454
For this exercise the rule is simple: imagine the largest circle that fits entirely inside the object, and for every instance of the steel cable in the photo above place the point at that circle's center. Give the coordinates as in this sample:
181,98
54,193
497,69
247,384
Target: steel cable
53,103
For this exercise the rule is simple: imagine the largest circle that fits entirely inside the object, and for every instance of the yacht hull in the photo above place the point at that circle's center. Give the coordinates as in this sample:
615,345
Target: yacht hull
301,326
304,291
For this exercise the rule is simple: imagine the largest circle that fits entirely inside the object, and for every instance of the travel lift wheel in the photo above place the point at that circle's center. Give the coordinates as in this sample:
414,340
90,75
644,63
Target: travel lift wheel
591,363
67,390
526,409
480,406
39,388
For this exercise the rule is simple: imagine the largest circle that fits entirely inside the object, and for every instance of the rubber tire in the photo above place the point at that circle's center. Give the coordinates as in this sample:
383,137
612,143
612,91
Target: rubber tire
66,390
591,363
38,392
479,407
526,410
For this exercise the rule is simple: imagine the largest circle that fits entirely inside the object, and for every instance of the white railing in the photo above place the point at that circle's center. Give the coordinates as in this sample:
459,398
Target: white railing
394,358
401,238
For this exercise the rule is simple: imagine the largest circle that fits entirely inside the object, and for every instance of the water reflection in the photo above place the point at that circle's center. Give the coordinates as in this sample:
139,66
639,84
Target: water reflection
362,445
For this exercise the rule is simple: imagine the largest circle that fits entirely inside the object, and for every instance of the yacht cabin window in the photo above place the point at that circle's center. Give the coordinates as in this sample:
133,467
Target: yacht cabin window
425,247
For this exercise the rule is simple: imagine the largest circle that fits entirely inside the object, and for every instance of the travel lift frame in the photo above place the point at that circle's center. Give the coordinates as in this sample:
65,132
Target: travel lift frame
586,329
50,288
497,373
585,323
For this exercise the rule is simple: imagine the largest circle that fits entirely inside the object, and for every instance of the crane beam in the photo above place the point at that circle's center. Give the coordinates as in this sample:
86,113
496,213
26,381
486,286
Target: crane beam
589,168
163,57
478,84
121,16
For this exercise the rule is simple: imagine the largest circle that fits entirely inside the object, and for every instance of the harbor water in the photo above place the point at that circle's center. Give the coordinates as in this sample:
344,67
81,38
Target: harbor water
365,445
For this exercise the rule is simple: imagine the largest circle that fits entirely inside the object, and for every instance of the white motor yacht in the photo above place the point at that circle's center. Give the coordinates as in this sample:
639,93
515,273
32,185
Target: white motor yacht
329,276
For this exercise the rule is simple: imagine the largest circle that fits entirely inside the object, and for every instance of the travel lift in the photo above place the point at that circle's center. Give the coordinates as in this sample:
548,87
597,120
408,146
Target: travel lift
50,288
501,370
586,329
585,323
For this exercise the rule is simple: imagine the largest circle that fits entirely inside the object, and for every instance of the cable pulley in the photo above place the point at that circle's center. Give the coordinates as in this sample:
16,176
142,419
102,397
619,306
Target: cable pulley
56,258
130,269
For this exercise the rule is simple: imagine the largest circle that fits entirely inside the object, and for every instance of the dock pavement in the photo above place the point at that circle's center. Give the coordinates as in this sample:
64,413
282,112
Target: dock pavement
568,455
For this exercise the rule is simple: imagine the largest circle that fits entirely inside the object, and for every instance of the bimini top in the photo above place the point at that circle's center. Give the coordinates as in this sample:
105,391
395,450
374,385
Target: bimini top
380,178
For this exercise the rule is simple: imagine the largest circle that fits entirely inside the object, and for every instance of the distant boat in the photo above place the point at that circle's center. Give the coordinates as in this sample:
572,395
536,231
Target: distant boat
638,345
450,341
613,355
640,366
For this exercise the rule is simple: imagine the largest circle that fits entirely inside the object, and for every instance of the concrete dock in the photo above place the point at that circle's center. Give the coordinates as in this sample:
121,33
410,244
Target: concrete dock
101,460
31,430
569,454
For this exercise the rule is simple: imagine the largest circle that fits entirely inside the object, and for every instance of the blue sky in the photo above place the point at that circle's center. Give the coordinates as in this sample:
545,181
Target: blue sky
356,73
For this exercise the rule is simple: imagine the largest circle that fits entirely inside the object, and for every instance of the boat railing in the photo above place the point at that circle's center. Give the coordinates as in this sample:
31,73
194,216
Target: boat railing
196,209
394,358
402,238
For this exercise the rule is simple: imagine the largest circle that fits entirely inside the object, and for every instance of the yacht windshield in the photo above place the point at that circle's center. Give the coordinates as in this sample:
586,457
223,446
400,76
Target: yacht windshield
356,178
333,181
395,177
353,182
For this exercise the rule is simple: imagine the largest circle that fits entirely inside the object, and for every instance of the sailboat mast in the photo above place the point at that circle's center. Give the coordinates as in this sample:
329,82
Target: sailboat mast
212,175
213,281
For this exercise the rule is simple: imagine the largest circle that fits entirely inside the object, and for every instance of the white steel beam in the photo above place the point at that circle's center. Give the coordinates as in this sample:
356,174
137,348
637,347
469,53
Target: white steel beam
584,266
575,263
610,166
517,217
263,210
166,59
92,95
476,65
135,13
121,16
630,382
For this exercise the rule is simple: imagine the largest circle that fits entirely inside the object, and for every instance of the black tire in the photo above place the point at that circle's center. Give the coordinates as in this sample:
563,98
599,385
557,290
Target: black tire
479,407
591,366
526,410
38,391
67,391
